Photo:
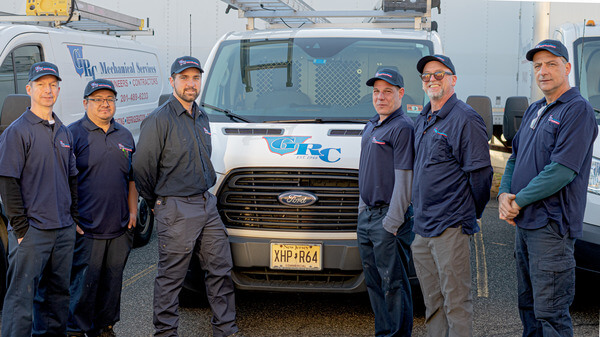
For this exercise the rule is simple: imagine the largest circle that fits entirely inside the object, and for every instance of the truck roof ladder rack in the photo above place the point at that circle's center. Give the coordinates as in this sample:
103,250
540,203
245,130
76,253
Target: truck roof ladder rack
82,16
414,14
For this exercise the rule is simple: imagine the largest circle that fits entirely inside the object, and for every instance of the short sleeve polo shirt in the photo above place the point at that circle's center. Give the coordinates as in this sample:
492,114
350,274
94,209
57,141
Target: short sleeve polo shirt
385,147
104,164
41,156
564,133
448,147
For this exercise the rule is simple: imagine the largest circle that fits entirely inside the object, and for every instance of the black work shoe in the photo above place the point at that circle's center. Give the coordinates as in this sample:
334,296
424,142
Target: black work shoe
108,332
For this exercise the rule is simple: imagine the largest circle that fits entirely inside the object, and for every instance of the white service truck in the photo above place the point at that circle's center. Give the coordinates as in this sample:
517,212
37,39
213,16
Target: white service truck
80,56
287,108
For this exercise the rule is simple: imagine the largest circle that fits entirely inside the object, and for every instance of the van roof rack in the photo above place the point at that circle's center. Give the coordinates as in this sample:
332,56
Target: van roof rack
82,16
414,14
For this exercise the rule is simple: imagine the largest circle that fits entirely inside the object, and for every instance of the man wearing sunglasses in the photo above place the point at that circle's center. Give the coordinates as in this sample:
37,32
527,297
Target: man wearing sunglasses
451,186
385,215
108,210
543,192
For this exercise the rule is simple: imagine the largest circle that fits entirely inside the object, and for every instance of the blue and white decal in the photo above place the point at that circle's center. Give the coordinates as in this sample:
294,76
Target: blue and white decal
283,145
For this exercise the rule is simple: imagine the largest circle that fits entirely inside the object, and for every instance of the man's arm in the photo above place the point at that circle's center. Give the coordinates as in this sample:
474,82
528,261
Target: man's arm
400,200
480,182
146,159
505,197
132,202
10,190
552,179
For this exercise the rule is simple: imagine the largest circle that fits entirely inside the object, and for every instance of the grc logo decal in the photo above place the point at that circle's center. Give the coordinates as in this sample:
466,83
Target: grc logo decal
296,144
82,66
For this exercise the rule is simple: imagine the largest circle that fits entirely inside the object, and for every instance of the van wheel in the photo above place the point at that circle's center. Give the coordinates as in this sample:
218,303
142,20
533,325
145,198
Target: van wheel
144,224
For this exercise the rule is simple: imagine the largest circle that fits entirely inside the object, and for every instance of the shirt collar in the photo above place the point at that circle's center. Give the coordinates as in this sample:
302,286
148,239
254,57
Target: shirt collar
34,119
396,113
178,108
91,126
445,110
565,97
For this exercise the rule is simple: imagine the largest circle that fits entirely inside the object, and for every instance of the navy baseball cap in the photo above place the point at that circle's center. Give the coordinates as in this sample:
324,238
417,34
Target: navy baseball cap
185,62
443,59
389,75
553,46
98,84
40,69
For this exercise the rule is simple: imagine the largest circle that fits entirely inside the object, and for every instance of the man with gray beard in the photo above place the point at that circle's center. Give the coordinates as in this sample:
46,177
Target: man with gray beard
451,186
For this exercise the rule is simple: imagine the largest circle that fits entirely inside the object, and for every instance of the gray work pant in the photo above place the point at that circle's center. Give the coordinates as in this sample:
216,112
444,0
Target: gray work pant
443,266
182,224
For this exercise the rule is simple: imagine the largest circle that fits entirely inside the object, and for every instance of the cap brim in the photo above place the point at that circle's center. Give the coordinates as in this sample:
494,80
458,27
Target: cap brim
188,67
532,52
371,82
423,61
96,89
42,75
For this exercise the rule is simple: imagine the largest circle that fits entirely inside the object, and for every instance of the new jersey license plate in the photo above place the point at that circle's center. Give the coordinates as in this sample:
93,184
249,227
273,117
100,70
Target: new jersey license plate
296,256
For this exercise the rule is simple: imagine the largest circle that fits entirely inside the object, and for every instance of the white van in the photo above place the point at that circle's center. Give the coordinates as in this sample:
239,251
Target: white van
80,56
287,108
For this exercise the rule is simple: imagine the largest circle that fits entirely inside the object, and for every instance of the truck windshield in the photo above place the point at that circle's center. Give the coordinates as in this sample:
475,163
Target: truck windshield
309,78
587,70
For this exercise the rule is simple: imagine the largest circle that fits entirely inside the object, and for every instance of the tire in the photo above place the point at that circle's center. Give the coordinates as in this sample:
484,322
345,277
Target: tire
144,225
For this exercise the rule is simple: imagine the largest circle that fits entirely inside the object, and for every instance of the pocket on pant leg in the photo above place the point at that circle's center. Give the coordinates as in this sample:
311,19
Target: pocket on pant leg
555,283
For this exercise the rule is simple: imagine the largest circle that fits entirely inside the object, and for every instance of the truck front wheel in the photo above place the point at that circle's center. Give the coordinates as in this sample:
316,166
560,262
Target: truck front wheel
144,225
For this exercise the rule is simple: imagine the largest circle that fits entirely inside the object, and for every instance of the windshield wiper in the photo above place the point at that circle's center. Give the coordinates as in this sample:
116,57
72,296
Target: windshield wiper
320,121
227,113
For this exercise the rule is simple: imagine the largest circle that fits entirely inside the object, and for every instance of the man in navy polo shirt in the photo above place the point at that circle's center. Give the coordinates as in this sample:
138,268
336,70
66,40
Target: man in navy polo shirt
38,184
385,215
543,192
451,187
107,212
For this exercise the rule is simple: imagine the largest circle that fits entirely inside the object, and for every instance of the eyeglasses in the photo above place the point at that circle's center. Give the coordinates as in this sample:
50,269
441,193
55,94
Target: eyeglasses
438,75
103,100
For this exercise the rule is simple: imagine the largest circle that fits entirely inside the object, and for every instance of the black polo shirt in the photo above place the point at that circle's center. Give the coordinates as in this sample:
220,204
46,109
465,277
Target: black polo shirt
448,147
564,133
385,147
104,165
41,156
173,153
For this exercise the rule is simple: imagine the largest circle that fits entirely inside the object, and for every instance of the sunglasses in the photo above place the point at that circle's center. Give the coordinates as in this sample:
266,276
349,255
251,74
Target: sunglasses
438,75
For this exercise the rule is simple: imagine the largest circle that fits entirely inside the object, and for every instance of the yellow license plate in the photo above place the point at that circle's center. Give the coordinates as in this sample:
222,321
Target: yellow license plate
296,256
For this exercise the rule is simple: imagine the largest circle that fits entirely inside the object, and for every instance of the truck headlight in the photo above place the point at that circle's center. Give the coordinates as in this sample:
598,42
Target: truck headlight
594,183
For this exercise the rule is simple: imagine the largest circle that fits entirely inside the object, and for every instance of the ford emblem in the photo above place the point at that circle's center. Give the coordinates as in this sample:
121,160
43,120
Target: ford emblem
297,198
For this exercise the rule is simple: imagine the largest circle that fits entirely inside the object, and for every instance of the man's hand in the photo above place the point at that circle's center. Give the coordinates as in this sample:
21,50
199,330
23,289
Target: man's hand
132,220
505,208
79,230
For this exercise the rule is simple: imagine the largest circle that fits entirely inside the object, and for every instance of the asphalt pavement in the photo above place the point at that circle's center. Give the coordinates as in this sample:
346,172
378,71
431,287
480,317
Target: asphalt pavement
293,314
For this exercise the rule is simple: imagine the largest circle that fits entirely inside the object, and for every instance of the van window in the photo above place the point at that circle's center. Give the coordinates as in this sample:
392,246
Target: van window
586,65
309,78
14,70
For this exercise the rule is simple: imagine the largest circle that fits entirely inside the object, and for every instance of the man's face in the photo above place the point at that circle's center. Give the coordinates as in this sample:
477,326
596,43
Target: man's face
437,89
100,105
43,91
551,72
186,84
387,98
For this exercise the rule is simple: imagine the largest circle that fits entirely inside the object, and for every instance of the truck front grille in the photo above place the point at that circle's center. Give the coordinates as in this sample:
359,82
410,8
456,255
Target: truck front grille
249,198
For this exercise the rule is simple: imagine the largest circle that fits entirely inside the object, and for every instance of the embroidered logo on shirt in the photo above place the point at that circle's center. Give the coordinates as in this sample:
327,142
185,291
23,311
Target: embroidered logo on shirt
206,131
440,133
552,120
63,144
125,149
375,141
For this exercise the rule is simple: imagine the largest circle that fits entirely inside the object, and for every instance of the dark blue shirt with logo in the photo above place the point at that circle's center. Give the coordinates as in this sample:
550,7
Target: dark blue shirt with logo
564,133
385,147
448,148
104,164
40,156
